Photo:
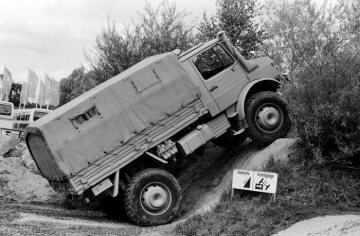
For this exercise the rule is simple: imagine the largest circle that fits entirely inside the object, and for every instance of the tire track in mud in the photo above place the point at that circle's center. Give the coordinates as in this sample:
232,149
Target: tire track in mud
36,219
29,217
53,210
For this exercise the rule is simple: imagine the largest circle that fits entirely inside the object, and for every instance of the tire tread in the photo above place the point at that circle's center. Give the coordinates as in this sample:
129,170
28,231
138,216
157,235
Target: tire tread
262,95
129,198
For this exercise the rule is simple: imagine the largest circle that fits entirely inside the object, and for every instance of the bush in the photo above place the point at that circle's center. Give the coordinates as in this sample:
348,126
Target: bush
319,46
325,106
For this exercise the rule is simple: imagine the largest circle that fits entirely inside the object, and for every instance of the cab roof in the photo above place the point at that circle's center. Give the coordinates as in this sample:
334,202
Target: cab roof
197,48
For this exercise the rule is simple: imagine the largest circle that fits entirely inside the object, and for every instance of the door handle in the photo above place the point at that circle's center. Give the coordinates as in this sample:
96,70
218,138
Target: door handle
213,88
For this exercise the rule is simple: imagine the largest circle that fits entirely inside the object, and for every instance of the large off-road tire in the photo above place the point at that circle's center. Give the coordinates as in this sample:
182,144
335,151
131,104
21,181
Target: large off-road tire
152,197
267,116
228,140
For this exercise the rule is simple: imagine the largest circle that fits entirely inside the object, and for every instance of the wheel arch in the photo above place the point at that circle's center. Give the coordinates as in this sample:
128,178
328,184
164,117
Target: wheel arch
264,84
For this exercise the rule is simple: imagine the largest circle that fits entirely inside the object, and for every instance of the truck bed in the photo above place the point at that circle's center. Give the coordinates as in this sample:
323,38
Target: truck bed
129,151
109,126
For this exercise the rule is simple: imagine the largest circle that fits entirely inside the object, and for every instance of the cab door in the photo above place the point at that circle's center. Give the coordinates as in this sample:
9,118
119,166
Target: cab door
221,74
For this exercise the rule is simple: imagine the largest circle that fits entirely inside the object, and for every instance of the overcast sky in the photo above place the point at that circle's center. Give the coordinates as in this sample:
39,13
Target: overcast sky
51,35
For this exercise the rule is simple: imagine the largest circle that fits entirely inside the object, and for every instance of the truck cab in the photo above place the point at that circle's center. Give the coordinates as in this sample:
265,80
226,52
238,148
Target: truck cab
227,80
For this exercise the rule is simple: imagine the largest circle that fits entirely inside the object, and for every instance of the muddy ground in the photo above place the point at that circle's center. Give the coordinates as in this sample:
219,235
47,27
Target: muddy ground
28,206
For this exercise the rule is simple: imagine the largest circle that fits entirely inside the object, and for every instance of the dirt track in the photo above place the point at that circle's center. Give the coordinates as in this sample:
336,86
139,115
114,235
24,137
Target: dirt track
203,179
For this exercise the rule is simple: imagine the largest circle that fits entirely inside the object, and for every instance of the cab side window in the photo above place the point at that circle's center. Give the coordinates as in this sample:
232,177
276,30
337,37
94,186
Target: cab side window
212,62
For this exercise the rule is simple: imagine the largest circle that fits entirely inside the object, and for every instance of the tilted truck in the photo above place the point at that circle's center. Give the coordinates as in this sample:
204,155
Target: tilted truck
119,137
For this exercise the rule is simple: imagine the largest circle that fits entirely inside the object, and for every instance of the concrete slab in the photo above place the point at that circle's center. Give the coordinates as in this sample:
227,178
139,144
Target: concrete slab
348,225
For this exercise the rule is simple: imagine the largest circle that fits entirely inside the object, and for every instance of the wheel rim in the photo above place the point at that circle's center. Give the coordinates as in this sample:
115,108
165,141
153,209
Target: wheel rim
155,198
269,118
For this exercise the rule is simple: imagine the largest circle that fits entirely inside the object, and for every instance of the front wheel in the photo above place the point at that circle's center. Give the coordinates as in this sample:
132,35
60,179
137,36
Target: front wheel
267,117
152,197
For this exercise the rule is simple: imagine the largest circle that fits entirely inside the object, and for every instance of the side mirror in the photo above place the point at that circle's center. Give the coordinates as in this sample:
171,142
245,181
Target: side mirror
252,54
221,35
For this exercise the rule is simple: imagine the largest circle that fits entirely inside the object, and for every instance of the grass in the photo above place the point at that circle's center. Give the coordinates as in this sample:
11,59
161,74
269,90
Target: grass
303,192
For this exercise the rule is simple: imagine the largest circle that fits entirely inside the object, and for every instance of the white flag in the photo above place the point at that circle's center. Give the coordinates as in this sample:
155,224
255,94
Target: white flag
47,89
2,86
38,92
23,97
54,98
7,83
32,82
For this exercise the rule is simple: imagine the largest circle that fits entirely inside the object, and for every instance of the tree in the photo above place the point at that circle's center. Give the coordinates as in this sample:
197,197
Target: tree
163,29
160,29
14,95
298,32
114,52
77,83
237,18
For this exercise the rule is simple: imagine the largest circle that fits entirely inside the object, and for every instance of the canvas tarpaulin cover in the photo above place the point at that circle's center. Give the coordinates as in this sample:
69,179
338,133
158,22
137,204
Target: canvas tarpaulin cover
79,132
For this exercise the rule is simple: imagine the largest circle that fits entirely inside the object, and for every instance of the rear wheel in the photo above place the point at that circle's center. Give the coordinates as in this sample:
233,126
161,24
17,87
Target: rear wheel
152,197
267,117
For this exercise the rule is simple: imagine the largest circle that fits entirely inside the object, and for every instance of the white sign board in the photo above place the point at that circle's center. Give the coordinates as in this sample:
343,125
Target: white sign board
265,182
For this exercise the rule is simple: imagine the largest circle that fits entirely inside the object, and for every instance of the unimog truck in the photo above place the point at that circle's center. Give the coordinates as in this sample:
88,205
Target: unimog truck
120,137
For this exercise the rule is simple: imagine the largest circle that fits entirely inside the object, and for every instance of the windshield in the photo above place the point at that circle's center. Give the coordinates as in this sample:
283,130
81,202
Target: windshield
5,109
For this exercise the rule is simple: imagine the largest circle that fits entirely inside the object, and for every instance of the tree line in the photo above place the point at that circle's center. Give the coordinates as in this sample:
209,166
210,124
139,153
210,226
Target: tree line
316,44
160,29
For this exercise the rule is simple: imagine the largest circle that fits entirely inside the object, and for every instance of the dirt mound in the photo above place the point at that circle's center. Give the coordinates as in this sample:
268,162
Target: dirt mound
17,183
19,179
207,175
205,172
250,158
